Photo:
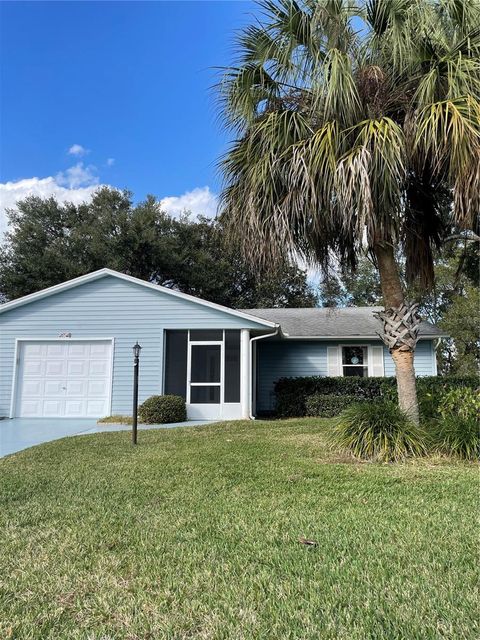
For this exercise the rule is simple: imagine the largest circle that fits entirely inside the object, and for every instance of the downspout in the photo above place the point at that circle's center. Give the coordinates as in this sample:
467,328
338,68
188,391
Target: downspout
436,344
252,340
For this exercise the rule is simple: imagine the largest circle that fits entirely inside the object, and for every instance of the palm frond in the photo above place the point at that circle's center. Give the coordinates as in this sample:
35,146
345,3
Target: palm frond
447,136
345,139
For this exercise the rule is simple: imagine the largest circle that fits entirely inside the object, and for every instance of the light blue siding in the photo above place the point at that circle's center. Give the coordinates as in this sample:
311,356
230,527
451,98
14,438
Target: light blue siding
110,308
424,360
295,358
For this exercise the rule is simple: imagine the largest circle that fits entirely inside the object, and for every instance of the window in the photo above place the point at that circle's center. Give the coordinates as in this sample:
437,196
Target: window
205,365
355,361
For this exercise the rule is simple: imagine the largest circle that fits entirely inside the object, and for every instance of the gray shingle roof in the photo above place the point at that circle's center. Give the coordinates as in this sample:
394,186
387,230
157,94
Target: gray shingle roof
332,322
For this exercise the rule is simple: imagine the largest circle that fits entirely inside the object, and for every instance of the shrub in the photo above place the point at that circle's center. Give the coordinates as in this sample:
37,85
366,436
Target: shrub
458,437
378,431
462,402
163,409
327,406
457,429
431,391
292,393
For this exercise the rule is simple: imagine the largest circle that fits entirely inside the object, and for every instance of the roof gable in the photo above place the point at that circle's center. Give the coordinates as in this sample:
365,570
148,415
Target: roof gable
95,275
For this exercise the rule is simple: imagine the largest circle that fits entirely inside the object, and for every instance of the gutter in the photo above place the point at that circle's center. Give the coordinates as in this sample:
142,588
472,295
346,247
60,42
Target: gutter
252,340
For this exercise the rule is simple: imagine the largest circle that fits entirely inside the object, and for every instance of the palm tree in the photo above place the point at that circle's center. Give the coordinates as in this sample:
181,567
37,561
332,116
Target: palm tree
355,122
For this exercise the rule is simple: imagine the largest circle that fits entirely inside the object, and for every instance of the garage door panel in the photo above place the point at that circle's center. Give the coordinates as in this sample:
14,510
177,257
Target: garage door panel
56,350
55,367
97,388
31,408
79,350
54,388
34,388
98,368
52,408
100,350
77,368
66,379
34,368
74,408
76,388
96,408
32,350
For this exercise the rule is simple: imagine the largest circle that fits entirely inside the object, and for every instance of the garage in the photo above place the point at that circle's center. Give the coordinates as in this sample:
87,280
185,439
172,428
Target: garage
63,378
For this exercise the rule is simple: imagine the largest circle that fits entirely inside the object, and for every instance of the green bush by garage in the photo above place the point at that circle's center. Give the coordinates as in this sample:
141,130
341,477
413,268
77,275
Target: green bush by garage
163,410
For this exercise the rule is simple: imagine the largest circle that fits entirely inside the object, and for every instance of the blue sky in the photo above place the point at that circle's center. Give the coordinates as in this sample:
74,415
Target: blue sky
125,86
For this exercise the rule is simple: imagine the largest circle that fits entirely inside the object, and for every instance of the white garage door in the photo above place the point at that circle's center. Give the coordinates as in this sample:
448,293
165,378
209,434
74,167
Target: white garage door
68,378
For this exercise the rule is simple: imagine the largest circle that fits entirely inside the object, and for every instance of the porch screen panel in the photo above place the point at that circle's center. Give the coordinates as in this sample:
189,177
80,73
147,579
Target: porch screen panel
205,395
206,359
176,363
232,366
206,335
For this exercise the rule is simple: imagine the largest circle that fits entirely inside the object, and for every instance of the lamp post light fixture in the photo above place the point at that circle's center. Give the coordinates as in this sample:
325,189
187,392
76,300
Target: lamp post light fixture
136,356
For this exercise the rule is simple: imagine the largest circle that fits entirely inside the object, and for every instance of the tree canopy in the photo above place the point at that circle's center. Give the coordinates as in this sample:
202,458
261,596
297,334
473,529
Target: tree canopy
49,242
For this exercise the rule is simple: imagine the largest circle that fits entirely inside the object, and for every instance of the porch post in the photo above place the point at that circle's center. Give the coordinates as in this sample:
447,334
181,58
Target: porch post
245,373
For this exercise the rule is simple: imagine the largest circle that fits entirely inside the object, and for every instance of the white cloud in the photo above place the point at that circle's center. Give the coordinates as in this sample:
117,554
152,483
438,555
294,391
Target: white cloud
78,150
76,185
200,201
110,162
77,176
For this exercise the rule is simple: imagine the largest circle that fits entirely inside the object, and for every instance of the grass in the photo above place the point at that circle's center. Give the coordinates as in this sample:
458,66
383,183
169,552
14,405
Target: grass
116,419
195,534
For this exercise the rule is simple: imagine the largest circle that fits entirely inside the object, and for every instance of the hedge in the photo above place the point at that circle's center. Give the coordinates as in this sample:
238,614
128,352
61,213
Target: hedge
328,406
291,393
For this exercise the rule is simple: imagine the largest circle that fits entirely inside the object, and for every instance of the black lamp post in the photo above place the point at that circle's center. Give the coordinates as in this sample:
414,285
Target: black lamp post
136,355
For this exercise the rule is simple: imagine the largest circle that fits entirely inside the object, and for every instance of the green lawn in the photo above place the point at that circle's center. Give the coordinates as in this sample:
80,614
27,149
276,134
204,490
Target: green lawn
195,534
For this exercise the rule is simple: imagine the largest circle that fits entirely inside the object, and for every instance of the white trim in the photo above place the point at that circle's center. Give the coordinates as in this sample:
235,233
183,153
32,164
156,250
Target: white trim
95,275
245,373
14,378
34,339
164,361
434,347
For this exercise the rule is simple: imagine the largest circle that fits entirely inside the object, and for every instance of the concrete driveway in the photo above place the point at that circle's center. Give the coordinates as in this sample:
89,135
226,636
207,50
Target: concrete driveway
20,433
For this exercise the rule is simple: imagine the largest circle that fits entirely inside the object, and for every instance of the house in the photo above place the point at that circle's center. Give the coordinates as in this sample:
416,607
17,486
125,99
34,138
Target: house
66,351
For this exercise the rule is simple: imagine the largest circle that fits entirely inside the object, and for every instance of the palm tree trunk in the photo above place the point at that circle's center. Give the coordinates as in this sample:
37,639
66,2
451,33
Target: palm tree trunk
402,352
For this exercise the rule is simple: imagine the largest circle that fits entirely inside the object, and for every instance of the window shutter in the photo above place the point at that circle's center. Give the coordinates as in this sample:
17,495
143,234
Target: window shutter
376,368
333,362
